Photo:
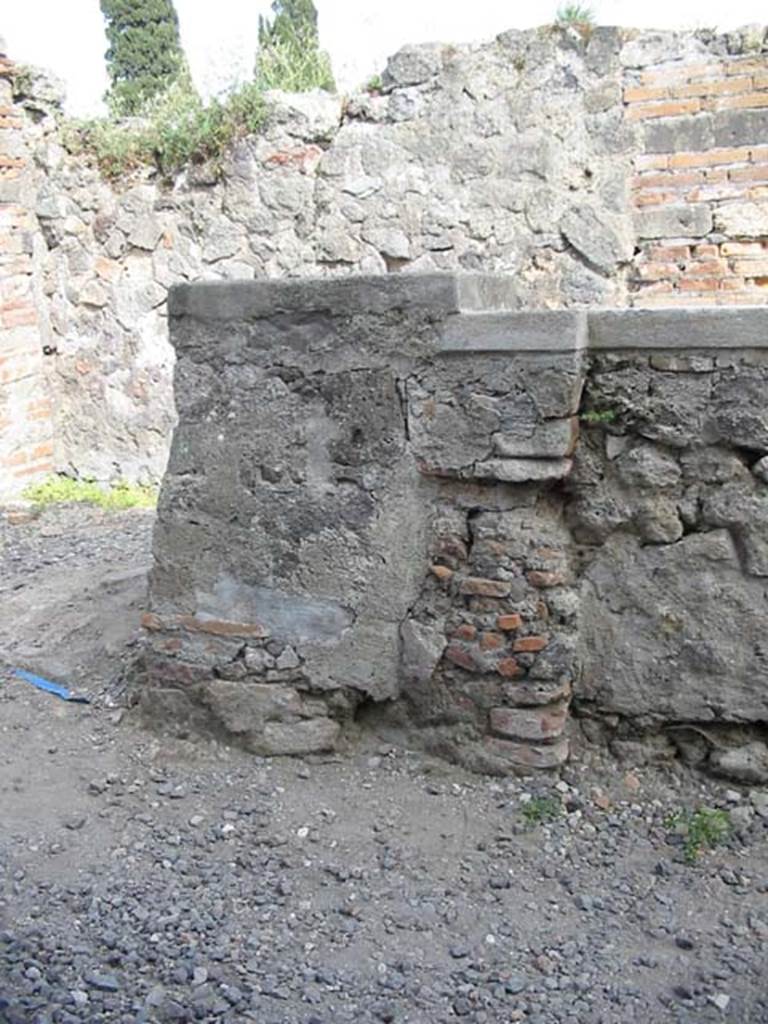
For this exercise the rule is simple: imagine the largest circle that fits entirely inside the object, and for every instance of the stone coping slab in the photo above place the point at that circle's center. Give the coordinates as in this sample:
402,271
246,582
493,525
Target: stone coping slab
475,313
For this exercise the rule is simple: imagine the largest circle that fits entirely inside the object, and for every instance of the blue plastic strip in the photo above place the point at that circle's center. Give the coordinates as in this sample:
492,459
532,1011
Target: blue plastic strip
49,687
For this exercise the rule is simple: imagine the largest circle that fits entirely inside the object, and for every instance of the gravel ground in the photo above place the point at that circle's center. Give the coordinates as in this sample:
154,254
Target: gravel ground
144,879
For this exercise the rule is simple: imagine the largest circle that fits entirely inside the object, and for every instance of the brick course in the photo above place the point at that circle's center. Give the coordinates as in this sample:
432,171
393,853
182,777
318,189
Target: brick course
668,271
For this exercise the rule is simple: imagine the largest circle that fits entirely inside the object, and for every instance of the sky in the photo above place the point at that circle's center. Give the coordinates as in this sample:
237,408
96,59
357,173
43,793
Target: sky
67,36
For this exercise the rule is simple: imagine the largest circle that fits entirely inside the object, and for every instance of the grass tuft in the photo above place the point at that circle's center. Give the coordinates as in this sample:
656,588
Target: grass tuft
704,828
541,809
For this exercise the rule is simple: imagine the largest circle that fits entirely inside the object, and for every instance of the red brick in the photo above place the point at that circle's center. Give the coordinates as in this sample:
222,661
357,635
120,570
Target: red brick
657,271
530,644
510,621
510,668
709,157
527,755
484,587
679,73
713,87
462,657
670,108
651,161
540,723
742,249
490,641
643,93
442,572
699,284
545,579
668,252
41,467
756,172
749,101
751,268
654,198
466,631
220,627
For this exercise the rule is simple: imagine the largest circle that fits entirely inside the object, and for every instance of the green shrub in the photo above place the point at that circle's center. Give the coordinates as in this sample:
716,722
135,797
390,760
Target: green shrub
540,809
595,416
704,827
58,490
174,129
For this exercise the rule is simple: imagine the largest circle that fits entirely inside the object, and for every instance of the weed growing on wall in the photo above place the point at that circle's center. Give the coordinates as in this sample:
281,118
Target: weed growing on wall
174,129
575,14
57,490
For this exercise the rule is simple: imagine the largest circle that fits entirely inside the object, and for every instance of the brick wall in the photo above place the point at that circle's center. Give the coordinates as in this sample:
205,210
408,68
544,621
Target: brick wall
26,433
700,188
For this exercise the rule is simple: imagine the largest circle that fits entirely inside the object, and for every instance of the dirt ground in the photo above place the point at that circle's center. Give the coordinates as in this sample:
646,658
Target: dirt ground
146,879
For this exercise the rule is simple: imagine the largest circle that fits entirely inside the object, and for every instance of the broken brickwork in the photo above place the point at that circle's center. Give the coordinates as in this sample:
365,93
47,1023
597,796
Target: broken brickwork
400,493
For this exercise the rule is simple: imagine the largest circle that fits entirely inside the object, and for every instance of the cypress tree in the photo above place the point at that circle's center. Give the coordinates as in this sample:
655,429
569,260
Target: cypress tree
289,54
144,54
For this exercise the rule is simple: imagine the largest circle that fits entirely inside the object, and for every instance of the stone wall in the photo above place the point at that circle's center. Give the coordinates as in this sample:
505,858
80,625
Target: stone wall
26,429
541,154
402,492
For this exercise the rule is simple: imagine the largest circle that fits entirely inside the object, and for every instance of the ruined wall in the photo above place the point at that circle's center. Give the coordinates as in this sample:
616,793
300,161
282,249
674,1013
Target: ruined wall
26,429
610,168
400,491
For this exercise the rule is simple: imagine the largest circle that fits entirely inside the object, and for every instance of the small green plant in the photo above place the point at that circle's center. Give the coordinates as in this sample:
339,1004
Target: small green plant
578,15
599,416
706,827
58,490
541,809
374,84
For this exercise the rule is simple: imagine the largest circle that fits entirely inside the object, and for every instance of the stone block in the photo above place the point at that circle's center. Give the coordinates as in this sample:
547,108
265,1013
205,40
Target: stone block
550,439
518,471
602,238
692,220
740,127
677,134
555,331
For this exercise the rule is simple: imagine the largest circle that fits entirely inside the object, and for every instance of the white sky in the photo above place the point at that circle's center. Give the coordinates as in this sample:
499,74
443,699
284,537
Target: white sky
66,36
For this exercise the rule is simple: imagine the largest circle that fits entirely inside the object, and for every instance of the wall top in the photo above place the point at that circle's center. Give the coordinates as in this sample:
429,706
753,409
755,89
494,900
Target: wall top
476,313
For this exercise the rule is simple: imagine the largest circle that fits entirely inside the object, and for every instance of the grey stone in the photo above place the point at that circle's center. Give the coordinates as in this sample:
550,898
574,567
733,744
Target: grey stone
423,646
675,134
412,65
561,331
600,237
522,470
742,219
552,439
288,659
690,221
740,127
748,764
145,233
678,328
